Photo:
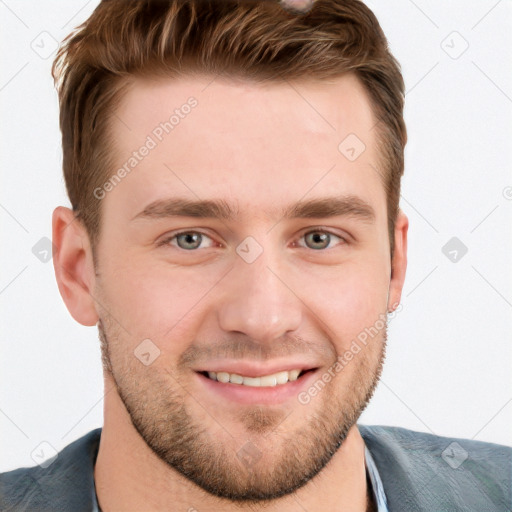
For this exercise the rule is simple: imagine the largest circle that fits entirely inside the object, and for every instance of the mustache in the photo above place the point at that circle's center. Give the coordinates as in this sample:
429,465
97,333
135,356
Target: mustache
245,348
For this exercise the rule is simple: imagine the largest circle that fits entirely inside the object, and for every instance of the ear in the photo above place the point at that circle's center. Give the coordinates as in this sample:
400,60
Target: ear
399,261
74,269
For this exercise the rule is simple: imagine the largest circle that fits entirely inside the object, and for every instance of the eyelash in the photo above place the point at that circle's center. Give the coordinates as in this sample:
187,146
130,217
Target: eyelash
167,240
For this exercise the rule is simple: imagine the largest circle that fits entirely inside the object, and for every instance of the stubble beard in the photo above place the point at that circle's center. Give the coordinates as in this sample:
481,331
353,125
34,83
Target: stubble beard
274,461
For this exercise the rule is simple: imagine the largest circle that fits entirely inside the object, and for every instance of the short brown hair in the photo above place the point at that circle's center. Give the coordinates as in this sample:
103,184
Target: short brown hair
259,40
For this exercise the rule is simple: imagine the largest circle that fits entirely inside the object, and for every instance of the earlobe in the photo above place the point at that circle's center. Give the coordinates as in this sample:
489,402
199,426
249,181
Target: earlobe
74,270
399,262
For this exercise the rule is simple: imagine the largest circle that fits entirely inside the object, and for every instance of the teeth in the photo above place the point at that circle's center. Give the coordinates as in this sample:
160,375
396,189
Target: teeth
294,375
236,379
264,381
282,377
255,382
223,377
268,380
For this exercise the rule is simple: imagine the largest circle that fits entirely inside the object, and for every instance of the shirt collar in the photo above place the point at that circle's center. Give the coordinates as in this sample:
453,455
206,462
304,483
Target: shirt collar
377,487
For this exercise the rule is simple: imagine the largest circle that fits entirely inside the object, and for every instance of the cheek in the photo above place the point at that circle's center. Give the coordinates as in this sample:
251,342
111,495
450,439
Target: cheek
156,300
349,299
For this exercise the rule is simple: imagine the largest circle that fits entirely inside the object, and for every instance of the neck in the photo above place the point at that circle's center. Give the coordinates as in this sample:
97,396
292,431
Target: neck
130,477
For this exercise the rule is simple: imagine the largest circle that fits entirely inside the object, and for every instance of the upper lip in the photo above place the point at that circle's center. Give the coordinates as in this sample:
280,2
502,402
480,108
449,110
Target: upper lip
255,369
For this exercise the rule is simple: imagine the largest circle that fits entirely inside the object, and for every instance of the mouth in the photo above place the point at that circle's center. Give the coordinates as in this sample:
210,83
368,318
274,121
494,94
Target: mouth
276,388
275,379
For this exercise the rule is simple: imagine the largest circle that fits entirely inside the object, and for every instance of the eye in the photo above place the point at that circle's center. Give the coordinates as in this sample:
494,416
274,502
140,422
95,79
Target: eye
319,239
186,240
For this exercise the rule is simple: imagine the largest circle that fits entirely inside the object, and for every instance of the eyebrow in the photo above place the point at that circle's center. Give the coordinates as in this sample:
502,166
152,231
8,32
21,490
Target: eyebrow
347,206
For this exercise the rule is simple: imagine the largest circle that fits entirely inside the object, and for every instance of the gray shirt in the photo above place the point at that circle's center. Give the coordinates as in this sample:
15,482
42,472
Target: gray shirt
409,472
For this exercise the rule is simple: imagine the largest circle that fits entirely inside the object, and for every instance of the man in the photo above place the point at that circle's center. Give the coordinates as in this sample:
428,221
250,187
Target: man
234,173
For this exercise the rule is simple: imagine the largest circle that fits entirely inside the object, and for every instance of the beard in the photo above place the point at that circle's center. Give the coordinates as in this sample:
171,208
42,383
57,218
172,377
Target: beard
280,456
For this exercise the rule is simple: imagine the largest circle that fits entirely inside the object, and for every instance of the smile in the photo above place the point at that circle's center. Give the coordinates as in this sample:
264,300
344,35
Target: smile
275,379
266,389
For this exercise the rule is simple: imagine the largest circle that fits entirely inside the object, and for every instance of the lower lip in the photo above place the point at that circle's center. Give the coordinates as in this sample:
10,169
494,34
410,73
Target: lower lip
266,395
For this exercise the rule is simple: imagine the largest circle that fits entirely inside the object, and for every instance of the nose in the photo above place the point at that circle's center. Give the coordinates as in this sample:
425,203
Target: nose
259,300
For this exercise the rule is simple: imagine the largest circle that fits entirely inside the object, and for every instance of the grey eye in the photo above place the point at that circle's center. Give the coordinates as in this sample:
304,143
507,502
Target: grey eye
318,239
189,241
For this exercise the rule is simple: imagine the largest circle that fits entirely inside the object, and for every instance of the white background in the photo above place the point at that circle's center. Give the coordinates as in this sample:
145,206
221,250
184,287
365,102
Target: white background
448,368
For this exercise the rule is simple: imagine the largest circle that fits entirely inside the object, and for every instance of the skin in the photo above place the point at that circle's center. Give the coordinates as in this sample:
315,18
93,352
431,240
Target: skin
168,441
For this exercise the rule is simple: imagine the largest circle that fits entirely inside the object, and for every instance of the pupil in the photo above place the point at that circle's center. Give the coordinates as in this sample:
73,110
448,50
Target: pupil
189,239
320,238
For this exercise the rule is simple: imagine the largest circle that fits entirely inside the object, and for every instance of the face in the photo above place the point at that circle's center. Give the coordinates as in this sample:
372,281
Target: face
277,270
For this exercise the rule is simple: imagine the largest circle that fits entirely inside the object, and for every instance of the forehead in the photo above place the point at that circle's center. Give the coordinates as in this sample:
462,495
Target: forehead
258,143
